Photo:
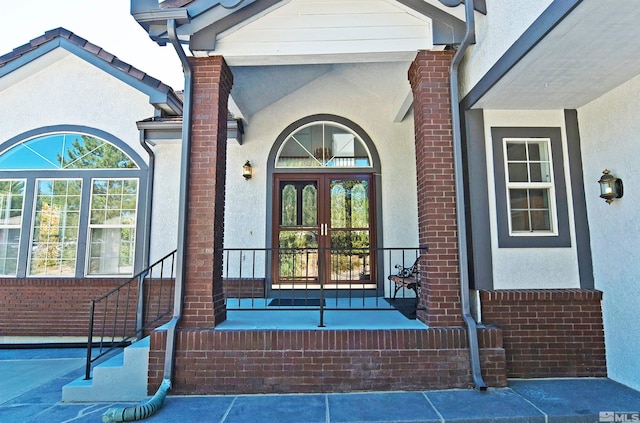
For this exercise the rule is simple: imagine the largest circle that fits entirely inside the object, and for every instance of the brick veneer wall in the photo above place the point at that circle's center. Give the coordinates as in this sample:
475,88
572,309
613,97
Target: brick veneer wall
244,288
60,307
287,361
548,333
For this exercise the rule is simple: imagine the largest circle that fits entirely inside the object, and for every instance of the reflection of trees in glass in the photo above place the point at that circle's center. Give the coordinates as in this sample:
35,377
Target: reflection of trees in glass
87,152
309,206
349,210
11,200
112,225
298,257
289,205
55,233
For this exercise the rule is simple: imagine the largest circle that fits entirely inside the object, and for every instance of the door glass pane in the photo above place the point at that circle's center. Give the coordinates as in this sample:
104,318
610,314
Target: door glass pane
310,205
350,255
349,204
298,255
288,209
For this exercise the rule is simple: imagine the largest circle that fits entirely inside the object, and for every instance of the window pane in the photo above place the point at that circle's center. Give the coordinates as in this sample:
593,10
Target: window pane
112,251
11,202
519,220
9,246
540,220
540,172
538,151
518,172
518,198
65,151
55,231
539,198
516,151
323,144
112,226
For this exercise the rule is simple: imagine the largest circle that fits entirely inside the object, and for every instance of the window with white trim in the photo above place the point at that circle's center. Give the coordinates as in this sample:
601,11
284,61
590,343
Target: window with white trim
11,209
112,229
530,186
69,205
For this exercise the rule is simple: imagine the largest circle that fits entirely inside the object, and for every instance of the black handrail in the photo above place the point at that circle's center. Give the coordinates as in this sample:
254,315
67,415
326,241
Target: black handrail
117,322
361,278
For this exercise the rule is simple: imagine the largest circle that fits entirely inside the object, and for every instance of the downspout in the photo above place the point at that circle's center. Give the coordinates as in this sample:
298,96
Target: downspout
472,330
181,270
148,408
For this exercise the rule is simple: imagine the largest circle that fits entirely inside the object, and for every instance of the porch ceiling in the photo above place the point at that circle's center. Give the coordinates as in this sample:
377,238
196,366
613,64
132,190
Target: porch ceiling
258,87
592,51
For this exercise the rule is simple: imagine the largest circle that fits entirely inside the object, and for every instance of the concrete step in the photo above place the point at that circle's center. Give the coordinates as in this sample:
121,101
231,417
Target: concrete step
121,378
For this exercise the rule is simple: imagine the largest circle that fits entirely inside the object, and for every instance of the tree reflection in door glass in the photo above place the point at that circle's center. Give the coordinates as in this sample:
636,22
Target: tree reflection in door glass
298,256
350,255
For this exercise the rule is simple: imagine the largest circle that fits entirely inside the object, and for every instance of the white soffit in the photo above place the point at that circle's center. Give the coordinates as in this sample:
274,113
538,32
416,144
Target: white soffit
323,31
592,51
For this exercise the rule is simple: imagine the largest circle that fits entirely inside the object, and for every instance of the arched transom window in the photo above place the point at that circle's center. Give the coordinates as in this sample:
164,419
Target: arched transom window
323,144
68,207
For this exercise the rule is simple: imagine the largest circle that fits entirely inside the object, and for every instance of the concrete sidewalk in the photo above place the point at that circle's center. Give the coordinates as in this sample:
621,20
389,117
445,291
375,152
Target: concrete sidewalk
33,381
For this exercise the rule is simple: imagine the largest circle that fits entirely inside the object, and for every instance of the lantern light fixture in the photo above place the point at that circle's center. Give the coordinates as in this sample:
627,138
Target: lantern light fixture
247,170
610,186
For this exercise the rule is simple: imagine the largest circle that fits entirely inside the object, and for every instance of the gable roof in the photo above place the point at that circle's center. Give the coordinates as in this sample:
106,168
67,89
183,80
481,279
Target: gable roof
160,95
202,21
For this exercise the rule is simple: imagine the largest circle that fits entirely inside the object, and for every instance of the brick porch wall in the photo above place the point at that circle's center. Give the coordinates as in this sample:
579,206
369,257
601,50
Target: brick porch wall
286,361
59,307
549,333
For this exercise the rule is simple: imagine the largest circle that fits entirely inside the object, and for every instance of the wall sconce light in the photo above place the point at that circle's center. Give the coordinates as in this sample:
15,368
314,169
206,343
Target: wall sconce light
610,186
246,170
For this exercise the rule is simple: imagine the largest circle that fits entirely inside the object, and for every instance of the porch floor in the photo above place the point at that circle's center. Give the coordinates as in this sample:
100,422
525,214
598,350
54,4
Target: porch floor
339,314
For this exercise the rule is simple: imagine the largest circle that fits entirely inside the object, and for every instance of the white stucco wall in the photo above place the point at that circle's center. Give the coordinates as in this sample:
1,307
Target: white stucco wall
609,128
166,195
361,93
71,91
530,268
504,23
62,89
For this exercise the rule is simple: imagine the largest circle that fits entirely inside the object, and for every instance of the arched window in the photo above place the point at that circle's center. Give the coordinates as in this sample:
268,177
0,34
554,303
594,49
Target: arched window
69,204
325,144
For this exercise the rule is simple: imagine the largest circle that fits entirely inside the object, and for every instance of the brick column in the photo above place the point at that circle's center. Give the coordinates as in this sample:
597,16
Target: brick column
203,296
439,277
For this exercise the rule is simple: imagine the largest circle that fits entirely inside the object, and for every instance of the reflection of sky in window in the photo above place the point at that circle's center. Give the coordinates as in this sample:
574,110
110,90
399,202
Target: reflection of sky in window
44,153
40,153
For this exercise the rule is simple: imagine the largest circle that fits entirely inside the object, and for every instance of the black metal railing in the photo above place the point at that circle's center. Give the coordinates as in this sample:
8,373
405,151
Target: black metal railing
317,278
130,310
